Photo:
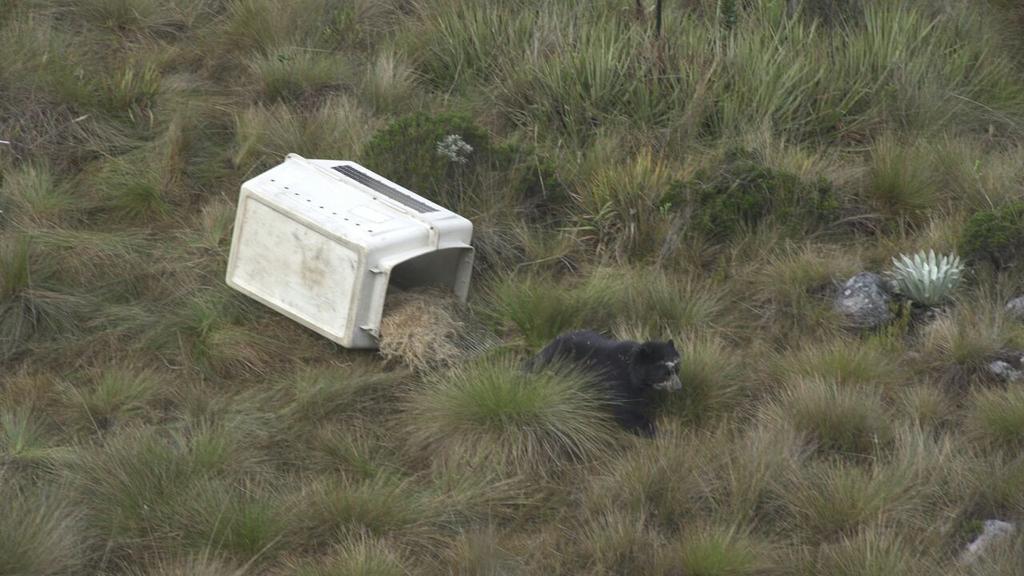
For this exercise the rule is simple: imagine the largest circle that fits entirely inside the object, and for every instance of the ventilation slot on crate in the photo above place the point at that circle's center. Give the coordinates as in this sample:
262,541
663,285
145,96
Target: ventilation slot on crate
382,188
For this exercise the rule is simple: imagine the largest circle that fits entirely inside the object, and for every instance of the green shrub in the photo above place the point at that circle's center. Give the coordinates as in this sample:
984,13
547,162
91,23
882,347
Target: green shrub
995,236
406,152
445,157
742,193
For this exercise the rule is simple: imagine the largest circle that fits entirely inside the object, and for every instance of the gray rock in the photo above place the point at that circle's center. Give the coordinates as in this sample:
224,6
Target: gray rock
864,301
1015,308
1008,366
994,531
1004,371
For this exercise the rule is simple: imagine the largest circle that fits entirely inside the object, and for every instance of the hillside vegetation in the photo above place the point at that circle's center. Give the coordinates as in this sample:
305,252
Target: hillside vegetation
715,184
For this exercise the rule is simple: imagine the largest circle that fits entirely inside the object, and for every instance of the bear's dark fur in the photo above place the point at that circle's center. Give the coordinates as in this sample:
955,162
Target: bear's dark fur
631,372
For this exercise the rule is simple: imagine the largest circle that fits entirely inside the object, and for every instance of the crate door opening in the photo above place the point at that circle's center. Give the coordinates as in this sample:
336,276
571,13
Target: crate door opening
448,269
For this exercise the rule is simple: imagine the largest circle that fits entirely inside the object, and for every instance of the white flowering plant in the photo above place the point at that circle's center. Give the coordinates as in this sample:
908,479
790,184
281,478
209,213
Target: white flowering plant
454,148
927,278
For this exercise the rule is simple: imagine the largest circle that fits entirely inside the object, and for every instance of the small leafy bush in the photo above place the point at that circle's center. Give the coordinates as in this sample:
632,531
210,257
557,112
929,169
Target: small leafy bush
995,236
406,151
446,157
926,278
743,192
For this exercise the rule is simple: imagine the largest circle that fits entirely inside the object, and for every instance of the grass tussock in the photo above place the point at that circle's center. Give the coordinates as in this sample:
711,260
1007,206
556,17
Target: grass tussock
491,411
997,416
838,419
719,551
40,535
362,556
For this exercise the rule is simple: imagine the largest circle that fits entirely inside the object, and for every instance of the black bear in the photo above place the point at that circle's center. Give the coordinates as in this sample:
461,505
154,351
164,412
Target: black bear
630,371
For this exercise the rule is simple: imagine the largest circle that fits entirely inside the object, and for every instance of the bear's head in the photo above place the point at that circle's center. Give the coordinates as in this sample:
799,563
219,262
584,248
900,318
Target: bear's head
655,364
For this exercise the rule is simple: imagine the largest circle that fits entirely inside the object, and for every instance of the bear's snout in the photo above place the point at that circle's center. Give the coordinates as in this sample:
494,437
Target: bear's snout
673,384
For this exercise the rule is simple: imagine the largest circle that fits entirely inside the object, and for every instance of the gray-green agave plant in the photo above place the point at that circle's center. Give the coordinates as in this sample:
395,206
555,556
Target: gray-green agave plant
926,278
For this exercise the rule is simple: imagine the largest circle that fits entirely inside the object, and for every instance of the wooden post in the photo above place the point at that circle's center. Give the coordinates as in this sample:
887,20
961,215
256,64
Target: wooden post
657,19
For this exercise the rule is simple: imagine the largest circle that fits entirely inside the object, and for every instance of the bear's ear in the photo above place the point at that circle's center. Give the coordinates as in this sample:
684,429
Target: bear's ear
671,344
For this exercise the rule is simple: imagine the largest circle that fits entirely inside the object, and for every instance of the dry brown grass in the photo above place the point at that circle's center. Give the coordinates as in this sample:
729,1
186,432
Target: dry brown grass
420,328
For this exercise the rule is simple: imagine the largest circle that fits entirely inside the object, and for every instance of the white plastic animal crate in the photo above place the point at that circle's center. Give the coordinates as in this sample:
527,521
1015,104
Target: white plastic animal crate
321,240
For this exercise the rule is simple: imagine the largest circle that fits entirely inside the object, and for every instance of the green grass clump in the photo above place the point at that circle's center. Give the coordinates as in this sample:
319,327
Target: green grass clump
360,557
294,73
315,395
995,236
844,361
203,564
126,16
336,128
926,406
540,308
39,533
840,419
28,305
618,542
621,207
657,302
742,193
831,501
719,551
493,413
30,194
208,330
960,344
379,506
714,381
117,396
249,523
997,416
900,183
24,439
872,552
132,487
